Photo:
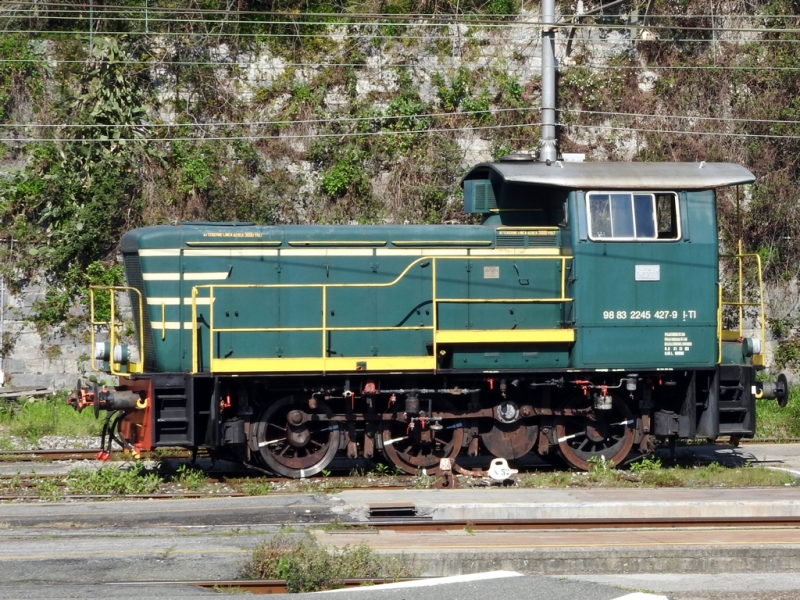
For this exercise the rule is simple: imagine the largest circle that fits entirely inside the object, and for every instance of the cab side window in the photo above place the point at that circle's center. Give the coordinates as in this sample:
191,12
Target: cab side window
667,216
627,216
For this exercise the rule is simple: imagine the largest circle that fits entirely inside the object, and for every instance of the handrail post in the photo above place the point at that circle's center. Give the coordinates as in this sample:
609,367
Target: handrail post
434,309
141,327
719,323
324,328
112,331
91,320
741,290
761,306
194,330
210,327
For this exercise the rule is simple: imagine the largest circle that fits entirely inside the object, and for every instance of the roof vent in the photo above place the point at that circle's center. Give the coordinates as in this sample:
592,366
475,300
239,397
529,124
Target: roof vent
517,157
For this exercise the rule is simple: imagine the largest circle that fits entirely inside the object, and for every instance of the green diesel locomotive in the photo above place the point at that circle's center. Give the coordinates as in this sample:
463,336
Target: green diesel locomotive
583,317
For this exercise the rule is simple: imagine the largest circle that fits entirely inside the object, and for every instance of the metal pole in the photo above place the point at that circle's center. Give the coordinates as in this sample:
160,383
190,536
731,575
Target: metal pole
2,328
3,319
547,150
91,17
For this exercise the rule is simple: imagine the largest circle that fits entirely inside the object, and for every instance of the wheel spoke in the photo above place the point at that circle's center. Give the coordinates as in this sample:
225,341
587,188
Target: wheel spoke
313,449
599,440
414,454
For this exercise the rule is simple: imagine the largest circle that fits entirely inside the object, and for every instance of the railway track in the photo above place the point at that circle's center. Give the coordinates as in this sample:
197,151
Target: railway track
56,486
262,586
52,455
423,526
79,454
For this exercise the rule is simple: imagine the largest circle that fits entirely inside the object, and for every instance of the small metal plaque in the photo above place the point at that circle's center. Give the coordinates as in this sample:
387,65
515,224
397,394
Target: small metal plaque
491,272
648,272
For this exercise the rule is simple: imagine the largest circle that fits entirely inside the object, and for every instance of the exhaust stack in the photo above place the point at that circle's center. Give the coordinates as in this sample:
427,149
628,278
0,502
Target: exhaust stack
547,146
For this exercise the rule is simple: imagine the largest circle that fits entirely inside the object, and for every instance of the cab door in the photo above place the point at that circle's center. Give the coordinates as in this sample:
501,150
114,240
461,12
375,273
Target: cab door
645,279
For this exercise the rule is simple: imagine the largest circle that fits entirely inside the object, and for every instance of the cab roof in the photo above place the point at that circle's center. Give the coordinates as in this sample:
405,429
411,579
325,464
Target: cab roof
614,175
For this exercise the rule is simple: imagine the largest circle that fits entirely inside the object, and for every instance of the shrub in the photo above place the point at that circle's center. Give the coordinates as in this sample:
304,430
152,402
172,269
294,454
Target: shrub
309,567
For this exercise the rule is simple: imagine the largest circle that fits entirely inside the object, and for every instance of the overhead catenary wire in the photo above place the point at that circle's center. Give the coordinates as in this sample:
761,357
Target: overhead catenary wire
387,36
684,117
281,136
288,122
125,14
162,63
461,17
39,5
346,120
343,135
308,19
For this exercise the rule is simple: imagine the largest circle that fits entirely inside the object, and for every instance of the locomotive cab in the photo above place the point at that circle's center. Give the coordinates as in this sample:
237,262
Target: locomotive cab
646,298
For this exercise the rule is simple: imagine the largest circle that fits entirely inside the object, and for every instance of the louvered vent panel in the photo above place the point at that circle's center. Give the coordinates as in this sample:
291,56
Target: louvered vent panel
542,241
479,196
484,196
511,241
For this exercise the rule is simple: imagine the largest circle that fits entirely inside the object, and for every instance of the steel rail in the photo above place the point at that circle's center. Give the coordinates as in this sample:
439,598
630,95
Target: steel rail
47,455
278,586
178,496
84,453
421,525
262,586
77,454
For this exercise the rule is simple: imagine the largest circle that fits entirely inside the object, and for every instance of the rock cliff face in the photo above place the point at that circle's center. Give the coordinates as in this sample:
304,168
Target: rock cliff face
39,359
359,119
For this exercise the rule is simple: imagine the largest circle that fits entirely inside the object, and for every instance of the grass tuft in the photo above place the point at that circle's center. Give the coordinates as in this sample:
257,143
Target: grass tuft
256,486
772,421
113,481
650,473
309,567
188,478
34,418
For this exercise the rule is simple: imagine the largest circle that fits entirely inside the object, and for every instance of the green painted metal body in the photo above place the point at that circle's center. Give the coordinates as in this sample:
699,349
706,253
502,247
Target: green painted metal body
378,298
222,297
627,323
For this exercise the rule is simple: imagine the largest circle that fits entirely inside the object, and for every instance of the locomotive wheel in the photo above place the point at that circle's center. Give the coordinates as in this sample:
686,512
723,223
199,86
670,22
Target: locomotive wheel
294,443
604,434
421,447
510,440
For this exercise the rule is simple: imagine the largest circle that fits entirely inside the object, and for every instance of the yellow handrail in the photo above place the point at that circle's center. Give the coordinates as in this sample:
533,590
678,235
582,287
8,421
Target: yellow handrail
113,326
324,287
741,304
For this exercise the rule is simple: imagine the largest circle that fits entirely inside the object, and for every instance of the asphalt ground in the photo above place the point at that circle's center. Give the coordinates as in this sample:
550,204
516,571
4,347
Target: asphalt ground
511,586
727,586
76,549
